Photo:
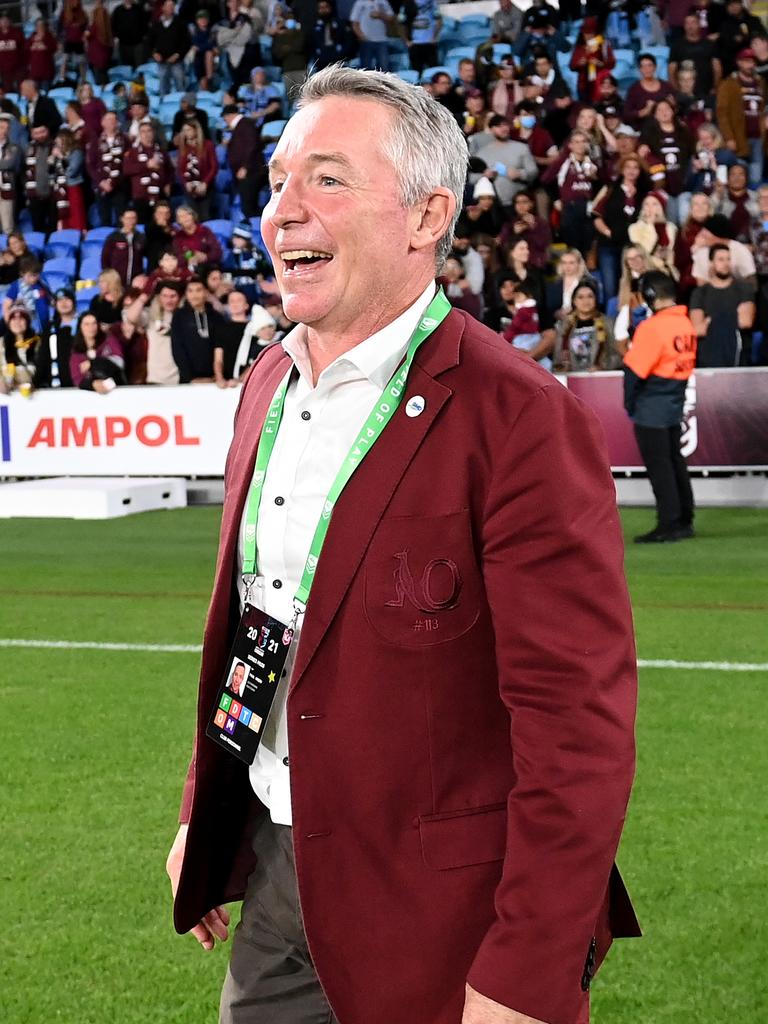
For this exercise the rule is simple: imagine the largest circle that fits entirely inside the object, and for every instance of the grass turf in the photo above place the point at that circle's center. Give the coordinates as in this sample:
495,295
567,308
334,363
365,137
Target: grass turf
95,745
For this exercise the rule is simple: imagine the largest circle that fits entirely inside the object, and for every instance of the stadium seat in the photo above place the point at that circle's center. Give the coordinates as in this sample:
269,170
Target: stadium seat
480,20
93,242
90,268
66,265
428,73
501,50
35,241
64,92
460,53
62,243
272,130
409,75
121,73
83,298
222,229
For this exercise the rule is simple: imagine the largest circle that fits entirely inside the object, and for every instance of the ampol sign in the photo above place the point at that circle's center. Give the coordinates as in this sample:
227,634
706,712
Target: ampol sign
183,431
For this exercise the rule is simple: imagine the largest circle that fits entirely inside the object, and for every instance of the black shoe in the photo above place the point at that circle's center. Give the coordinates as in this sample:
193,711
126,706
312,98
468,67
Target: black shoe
685,531
658,536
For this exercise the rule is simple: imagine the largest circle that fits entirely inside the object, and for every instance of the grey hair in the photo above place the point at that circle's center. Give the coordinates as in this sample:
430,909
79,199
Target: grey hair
425,144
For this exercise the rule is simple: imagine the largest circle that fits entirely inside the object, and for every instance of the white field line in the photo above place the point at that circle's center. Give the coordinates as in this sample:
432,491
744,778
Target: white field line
95,645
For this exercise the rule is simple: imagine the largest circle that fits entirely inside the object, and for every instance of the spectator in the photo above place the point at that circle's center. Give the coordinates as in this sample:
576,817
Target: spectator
233,36
523,223
245,263
332,38
370,19
288,52
424,24
592,53
720,310
159,233
468,256
99,41
12,48
95,363
128,335
149,171
193,328
74,123
503,89
475,120
694,110
30,292
457,288
547,88
540,33
484,216
741,113
736,202
138,115
56,344
527,129
129,27
203,50
72,25
575,175
261,100
196,169
667,144
585,337
571,272
194,243
161,368
506,23
170,268
703,166
42,112
189,113
643,96
105,168
625,143
218,285
40,54
68,171
245,158
717,229
228,340
124,249
589,122
169,43
736,28
510,165
20,346
694,46
655,233
11,257
633,308
107,306
523,331
519,268
499,313
615,208
701,208
260,331
92,109
10,165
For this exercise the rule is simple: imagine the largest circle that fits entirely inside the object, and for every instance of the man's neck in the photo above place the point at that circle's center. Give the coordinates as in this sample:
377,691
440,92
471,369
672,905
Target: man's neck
327,344
661,304
721,282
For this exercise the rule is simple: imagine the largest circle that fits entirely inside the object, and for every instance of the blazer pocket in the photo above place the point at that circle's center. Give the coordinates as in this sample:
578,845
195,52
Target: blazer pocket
457,839
422,581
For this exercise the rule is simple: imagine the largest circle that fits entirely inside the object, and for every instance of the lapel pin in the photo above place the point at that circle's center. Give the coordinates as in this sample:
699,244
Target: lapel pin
415,406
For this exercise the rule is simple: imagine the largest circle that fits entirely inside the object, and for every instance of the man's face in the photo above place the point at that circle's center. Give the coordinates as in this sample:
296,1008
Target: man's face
109,123
196,295
442,85
737,178
168,9
746,66
466,71
501,131
324,9
691,27
65,306
543,66
129,220
721,263
647,68
27,89
337,195
607,89
169,300
146,135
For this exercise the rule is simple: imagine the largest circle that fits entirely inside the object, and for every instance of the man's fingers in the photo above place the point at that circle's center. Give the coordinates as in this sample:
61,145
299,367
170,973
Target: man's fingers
203,935
216,922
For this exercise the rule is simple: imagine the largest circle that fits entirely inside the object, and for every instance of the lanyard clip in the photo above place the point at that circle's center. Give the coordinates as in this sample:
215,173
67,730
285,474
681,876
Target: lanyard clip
248,580
298,609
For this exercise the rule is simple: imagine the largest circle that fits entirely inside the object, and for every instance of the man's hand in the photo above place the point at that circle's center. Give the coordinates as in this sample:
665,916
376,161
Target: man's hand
481,1010
214,924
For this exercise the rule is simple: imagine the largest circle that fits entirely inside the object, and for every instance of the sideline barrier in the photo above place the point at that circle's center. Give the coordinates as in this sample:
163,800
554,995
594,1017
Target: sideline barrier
186,430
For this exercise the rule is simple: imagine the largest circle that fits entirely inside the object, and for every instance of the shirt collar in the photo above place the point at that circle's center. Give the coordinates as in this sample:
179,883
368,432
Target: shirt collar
377,357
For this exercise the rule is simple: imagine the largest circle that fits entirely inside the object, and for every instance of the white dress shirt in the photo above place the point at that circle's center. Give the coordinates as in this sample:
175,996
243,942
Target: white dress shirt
319,425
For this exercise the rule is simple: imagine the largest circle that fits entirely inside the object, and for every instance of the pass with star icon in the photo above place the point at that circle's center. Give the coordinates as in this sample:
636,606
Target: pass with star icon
255,667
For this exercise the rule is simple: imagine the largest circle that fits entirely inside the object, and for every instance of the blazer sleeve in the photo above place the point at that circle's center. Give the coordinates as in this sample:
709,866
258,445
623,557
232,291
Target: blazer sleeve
552,558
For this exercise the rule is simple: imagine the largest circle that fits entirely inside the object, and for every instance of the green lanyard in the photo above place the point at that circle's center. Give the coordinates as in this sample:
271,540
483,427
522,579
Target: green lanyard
379,417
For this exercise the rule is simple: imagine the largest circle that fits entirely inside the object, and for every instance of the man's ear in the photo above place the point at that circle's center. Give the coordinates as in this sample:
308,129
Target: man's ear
432,218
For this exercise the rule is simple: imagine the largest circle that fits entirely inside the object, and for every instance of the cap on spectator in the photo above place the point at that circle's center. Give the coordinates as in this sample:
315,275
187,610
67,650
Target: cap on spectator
746,54
590,25
202,14
483,188
6,117
242,231
540,19
609,110
229,108
65,293
260,318
19,309
718,225
628,131
662,197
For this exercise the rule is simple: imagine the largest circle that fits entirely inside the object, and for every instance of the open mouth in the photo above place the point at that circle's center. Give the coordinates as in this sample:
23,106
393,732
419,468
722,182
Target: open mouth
297,259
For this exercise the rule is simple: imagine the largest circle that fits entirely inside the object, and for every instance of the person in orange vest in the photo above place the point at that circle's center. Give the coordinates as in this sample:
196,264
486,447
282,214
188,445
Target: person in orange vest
656,371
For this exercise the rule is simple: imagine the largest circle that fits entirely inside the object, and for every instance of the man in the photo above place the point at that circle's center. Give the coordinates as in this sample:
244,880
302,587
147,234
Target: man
245,157
161,367
104,163
193,331
720,310
149,170
694,46
11,52
741,113
736,28
331,37
238,675
424,25
715,230
52,357
124,250
438,872
169,43
575,175
540,33
370,19
41,111
27,290
10,165
468,256
138,111
509,164
506,23
38,180
186,114
549,91
129,27
656,370
643,96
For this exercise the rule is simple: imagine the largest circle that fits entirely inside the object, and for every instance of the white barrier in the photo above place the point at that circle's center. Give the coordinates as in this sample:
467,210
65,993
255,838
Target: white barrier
133,431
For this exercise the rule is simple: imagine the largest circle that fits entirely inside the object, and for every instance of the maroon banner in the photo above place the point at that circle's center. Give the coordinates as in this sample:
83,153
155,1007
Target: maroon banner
725,424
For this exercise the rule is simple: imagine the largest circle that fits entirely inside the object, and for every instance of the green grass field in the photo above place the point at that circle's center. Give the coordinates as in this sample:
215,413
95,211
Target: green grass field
94,747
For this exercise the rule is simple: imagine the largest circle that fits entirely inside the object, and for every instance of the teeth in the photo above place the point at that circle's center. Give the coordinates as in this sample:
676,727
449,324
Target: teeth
297,254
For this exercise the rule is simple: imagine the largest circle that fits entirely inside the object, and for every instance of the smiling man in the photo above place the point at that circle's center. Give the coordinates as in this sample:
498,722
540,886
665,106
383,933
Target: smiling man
425,830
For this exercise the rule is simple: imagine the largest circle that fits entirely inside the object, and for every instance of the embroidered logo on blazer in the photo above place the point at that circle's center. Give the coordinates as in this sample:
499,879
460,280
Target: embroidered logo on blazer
437,590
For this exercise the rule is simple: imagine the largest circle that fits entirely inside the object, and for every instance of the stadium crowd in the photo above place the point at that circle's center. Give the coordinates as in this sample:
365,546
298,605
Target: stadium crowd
134,139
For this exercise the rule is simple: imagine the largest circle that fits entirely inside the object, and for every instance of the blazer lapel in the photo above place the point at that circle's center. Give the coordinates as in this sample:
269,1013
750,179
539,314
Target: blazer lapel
364,500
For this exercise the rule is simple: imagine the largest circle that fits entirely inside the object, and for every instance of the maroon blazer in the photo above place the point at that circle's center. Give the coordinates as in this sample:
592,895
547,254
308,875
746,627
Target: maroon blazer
461,712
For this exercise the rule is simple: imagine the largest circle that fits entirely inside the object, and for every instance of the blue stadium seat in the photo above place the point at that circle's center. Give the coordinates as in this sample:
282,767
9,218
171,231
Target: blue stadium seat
222,229
66,265
64,92
501,50
409,75
83,298
121,73
35,241
460,53
93,242
273,72
612,307
90,268
54,280
481,20
62,243
272,130
428,73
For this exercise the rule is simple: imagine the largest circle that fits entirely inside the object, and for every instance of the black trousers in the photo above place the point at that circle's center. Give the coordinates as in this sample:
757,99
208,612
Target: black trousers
668,474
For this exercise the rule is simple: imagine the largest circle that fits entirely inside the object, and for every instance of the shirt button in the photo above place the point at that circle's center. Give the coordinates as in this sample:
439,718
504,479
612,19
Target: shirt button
279,500
306,415
285,761
277,584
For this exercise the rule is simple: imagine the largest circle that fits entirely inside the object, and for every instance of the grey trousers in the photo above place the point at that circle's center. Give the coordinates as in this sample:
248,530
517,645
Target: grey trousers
270,979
